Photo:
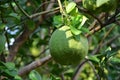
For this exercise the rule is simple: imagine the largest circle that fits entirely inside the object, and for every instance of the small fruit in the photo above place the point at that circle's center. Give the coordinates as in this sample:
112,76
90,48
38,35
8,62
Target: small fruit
66,48
2,42
35,51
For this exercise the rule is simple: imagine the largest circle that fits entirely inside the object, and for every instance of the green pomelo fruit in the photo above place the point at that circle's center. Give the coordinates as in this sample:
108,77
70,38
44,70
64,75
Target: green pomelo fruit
2,42
66,48
91,5
111,5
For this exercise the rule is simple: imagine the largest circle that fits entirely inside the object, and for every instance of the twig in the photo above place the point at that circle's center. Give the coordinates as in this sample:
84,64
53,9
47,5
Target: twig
49,7
77,1
91,14
109,21
60,5
43,51
41,6
25,70
98,77
12,7
96,50
79,68
21,9
34,16
93,31
62,76
44,12
51,4
105,43
24,36
94,24
112,39
112,19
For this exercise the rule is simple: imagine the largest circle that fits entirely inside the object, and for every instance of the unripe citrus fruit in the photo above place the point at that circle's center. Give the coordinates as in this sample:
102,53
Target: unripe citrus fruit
92,6
111,5
89,4
66,48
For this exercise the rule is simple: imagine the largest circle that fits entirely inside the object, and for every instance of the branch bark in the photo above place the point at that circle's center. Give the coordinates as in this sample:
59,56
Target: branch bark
25,34
17,43
94,70
78,70
25,70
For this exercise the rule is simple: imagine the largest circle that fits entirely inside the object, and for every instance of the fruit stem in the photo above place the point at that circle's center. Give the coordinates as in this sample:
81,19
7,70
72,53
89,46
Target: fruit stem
60,5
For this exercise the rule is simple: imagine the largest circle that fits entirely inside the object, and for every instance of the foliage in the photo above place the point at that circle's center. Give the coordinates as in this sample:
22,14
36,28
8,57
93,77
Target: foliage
8,71
26,27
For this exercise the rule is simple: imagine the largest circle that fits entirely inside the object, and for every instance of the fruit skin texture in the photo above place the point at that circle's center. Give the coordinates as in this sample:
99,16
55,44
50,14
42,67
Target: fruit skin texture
91,5
66,48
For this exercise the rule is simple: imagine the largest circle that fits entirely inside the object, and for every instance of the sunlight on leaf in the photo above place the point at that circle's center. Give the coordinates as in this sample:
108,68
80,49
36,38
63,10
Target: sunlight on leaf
84,19
101,2
74,30
70,7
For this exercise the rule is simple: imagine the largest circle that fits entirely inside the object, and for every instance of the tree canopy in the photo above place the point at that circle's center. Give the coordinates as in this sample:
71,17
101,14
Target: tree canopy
26,27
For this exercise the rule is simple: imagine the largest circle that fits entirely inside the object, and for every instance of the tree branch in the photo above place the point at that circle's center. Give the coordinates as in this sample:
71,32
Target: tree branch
25,70
17,43
24,36
95,23
98,77
111,20
108,22
91,14
44,12
21,9
77,72
111,40
97,49
43,5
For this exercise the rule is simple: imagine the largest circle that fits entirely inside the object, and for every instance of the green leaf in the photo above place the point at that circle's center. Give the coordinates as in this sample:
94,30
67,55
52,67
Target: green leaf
84,19
15,15
74,30
57,21
2,26
56,70
76,20
10,73
10,65
69,72
101,2
52,77
18,78
8,69
2,63
70,7
115,60
2,42
74,12
84,29
34,75
94,59
4,1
